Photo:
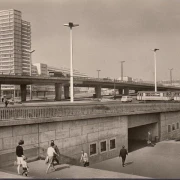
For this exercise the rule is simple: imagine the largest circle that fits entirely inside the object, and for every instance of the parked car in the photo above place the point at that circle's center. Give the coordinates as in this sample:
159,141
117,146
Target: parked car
126,99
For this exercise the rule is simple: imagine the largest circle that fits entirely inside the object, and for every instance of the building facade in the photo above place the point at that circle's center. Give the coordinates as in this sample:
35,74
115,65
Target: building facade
15,42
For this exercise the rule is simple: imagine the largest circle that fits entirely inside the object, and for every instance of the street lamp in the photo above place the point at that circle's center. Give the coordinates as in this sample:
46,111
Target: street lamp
122,69
71,25
155,80
171,75
30,73
98,72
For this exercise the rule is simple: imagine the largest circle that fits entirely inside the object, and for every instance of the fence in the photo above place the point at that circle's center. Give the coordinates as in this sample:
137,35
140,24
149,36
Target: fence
82,110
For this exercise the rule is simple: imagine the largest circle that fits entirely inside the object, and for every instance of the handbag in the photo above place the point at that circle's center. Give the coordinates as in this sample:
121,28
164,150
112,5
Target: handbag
46,160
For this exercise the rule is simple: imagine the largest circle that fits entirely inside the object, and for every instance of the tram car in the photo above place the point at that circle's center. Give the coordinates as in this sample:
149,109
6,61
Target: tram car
177,96
155,96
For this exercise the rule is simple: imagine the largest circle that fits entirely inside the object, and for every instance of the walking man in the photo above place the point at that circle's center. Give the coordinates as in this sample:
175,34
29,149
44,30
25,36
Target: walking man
123,153
50,154
55,157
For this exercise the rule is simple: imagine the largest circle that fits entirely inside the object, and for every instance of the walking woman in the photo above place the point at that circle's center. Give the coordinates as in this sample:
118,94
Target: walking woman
50,153
19,154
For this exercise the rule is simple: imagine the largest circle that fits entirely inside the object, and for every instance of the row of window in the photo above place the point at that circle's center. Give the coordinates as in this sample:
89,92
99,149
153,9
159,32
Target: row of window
173,127
102,146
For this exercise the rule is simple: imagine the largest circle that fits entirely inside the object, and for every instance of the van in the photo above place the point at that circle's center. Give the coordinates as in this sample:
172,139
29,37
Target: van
126,99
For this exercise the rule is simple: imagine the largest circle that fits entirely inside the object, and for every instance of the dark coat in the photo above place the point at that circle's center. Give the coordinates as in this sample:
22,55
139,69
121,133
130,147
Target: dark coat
56,149
123,153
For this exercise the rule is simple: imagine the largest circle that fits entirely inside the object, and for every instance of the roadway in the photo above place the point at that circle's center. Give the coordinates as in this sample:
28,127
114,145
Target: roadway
41,101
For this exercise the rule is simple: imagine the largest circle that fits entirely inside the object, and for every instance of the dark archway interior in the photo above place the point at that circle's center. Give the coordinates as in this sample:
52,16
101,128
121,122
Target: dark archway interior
138,136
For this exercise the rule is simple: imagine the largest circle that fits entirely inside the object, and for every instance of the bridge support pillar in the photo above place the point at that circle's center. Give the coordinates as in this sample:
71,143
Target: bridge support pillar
23,92
58,91
98,91
66,92
126,91
120,91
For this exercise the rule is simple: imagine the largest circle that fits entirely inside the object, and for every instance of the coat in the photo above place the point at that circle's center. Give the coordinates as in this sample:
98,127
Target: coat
123,153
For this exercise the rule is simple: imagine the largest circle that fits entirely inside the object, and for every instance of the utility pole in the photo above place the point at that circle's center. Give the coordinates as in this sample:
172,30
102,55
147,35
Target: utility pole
71,25
122,69
98,72
155,78
171,75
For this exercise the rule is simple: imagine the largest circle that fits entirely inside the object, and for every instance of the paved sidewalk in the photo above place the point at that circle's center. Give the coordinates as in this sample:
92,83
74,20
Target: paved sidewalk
10,175
161,161
38,170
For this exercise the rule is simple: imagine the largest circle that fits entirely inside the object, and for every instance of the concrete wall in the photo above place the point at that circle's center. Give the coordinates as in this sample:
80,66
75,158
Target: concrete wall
74,133
70,136
169,118
142,119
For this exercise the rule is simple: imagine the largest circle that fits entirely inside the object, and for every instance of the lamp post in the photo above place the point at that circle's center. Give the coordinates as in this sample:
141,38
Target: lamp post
30,87
171,75
98,72
155,80
122,69
71,25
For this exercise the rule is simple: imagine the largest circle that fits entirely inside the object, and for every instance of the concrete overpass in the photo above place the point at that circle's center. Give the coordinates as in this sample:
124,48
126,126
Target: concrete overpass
97,83
99,128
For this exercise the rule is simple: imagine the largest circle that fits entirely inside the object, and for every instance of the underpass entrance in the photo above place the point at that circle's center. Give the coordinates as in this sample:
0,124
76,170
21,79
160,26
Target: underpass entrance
138,136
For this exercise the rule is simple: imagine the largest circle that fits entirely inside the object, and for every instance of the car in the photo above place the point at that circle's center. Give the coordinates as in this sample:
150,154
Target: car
126,99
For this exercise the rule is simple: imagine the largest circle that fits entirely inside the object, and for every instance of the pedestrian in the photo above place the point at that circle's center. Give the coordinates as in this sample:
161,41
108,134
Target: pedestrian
25,166
123,153
55,157
19,154
50,154
2,98
6,102
84,158
149,141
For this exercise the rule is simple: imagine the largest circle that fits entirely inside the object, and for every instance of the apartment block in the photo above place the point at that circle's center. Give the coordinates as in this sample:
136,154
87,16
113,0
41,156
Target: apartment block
15,43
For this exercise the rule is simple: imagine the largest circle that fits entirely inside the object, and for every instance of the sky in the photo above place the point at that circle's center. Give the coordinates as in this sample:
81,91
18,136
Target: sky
109,31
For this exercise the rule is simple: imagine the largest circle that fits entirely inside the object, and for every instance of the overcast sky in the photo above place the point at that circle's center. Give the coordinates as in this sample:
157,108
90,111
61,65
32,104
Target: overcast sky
110,31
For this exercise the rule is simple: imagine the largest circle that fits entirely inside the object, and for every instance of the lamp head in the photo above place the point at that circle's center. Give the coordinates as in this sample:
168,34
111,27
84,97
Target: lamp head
155,49
70,24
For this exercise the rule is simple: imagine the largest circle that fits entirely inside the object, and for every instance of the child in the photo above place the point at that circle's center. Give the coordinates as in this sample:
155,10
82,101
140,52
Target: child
25,166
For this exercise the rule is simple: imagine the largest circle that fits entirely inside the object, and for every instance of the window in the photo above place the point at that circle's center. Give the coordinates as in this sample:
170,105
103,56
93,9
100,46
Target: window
112,144
103,146
173,127
177,125
93,149
169,128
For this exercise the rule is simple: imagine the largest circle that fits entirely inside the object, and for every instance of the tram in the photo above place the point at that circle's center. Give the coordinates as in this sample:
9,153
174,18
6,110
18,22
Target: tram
177,96
155,96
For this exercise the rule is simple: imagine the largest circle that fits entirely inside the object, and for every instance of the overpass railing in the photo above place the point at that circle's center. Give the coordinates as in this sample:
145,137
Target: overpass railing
17,113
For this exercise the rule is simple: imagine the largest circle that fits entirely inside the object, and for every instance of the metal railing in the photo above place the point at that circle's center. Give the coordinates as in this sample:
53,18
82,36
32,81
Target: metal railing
35,112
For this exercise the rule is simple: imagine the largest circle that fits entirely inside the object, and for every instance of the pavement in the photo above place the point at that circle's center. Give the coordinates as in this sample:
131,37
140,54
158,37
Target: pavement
161,161
38,170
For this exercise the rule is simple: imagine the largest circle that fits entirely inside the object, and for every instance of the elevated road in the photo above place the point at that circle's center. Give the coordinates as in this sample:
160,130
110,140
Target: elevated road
82,82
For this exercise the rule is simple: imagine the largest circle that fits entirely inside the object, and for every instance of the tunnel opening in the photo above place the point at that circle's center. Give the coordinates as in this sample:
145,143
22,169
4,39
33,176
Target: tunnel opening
138,136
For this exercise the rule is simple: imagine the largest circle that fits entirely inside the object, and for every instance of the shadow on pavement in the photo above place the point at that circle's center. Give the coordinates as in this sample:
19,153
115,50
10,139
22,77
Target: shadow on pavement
129,163
62,167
